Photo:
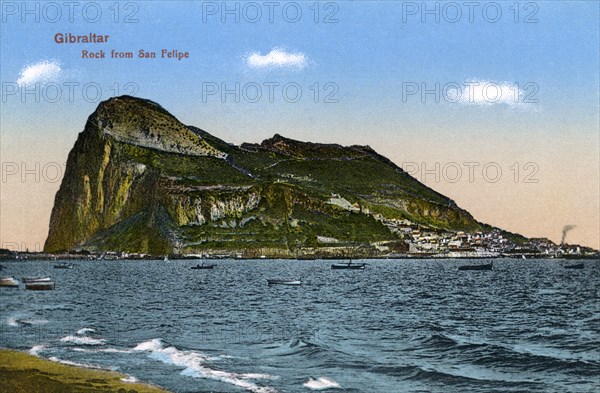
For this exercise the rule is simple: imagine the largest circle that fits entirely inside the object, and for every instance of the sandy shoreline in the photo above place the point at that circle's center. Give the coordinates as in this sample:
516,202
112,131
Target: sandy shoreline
20,372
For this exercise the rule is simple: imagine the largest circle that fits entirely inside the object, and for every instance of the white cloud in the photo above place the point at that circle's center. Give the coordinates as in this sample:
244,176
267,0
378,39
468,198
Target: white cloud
486,93
277,58
42,71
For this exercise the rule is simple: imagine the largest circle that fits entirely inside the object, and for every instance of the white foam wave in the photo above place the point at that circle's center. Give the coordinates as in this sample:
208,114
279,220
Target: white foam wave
33,321
130,379
193,363
103,350
114,350
257,376
12,322
321,383
36,349
82,332
83,340
70,363
16,322
152,345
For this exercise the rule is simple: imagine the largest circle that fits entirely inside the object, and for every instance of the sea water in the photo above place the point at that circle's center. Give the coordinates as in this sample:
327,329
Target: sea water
397,326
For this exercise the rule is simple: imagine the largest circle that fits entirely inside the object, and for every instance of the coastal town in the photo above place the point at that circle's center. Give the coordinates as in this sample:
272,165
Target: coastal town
416,241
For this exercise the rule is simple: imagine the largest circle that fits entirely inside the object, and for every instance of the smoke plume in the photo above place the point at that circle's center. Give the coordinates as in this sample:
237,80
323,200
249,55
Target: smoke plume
566,230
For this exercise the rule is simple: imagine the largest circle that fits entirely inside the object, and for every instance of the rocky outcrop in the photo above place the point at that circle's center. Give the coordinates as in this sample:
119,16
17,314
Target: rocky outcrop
146,124
138,180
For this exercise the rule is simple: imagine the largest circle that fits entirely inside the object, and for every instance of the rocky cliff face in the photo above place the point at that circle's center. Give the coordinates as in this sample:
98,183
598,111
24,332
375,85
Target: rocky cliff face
138,180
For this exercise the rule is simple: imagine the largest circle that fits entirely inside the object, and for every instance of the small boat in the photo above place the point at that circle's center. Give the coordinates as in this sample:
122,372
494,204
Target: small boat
63,266
10,282
277,281
575,266
203,266
26,280
39,286
349,265
488,266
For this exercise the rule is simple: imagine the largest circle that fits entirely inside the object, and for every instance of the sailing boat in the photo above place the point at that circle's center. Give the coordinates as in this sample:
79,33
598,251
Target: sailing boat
203,266
349,265
575,266
487,266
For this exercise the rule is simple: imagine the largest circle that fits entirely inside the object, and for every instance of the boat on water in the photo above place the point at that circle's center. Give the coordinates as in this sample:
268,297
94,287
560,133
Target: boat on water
349,265
26,280
487,266
575,266
40,285
202,266
10,282
278,281
63,266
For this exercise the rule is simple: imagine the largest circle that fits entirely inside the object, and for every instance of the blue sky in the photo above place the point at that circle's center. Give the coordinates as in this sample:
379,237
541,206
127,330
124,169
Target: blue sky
369,54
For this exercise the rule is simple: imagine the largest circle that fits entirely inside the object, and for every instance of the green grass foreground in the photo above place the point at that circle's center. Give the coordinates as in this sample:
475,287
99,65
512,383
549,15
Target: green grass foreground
20,372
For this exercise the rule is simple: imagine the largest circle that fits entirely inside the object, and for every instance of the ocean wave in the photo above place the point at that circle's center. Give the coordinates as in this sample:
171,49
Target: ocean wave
114,350
555,353
400,371
78,340
449,343
16,321
85,365
297,346
84,331
447,374
33,321
482,351
101,350
151,345
53,307
130,379
321,383
193,364
12,322
440,341
461,374
36,349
